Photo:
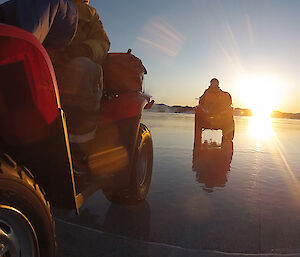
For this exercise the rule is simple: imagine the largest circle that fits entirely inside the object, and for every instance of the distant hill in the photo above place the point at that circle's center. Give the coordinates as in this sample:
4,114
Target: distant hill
237,111
277,114
242,112
172,109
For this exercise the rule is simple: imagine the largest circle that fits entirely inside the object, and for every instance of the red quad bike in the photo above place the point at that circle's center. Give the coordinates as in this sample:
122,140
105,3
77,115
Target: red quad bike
214,119
36,165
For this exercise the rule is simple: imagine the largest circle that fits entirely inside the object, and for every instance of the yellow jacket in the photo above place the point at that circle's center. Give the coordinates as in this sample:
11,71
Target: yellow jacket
90,32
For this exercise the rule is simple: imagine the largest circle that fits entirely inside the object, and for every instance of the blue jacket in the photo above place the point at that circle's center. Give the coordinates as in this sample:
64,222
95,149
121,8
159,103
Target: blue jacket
53,22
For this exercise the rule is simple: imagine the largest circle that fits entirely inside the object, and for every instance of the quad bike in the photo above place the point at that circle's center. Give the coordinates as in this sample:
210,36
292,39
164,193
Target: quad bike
210,118
36,165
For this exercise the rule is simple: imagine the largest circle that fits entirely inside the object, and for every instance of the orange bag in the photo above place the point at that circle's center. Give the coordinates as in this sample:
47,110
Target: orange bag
123,72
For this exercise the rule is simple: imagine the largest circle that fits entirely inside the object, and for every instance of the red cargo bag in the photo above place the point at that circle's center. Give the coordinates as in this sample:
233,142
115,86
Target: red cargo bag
123,72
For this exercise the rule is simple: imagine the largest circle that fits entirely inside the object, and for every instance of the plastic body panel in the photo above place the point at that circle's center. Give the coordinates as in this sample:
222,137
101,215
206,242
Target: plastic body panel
213,121
122,106
33,128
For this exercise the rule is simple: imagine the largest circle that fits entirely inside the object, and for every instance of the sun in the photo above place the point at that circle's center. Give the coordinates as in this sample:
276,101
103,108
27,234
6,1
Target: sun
261,94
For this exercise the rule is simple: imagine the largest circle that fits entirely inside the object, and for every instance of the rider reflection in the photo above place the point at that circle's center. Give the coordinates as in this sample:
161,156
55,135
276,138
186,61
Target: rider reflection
211,162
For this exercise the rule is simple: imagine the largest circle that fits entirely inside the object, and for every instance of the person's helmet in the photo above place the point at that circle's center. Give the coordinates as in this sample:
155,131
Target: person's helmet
214,82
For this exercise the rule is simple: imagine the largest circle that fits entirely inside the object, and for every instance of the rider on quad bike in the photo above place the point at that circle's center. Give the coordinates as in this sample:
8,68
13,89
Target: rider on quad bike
215,112
79,72
36,164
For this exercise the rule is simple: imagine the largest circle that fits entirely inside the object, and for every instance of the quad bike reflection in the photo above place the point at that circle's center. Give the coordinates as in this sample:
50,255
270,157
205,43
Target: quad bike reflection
211,162
125,231
133,222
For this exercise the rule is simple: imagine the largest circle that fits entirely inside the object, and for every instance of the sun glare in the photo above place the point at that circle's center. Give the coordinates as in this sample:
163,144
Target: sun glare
261,94
260,128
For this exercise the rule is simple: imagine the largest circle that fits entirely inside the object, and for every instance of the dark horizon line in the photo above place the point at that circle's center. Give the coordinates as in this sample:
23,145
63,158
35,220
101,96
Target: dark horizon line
238,108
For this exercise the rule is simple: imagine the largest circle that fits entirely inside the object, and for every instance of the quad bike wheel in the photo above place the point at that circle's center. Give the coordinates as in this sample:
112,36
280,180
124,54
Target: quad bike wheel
26,224
228,132
140,175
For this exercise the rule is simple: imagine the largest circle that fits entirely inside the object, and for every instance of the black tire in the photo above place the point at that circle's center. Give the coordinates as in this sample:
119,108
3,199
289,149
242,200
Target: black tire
140,175
197,131
25,216
228,132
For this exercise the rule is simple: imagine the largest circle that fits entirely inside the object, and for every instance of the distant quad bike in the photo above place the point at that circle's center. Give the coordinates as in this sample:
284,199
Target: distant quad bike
36,165
209,117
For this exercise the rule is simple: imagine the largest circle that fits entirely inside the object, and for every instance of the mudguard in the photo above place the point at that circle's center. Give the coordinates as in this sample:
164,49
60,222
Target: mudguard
123,106
33,128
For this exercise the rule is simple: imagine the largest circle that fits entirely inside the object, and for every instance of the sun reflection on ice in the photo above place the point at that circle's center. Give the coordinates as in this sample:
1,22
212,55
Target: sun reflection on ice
261,130
260,127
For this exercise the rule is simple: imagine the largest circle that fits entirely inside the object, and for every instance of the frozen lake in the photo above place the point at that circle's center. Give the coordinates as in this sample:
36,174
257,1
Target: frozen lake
236,200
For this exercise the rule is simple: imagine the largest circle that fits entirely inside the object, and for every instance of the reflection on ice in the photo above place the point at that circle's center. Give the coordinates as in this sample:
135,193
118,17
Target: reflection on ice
123,231
260,127
252,211
211,162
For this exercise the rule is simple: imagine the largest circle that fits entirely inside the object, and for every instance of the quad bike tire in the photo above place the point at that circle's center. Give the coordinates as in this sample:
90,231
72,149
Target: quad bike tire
26,225
140,174
228,132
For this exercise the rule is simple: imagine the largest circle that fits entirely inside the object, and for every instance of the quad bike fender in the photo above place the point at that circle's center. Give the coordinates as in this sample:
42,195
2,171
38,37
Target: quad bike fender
33,128
123,106
125,111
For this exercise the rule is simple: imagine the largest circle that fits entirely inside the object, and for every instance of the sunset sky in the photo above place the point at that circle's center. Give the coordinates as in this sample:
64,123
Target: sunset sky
251,46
